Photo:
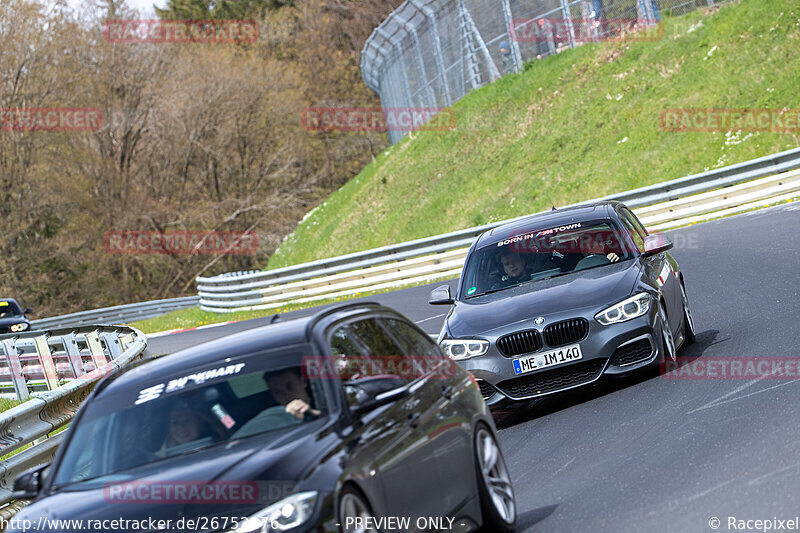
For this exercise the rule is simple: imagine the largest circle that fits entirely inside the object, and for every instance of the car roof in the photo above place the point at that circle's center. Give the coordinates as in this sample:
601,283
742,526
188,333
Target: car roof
263,338
547,219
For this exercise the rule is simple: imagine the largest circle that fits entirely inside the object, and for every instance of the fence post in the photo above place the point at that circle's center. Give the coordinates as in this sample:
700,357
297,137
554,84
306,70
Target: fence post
437,43
512,36
567,16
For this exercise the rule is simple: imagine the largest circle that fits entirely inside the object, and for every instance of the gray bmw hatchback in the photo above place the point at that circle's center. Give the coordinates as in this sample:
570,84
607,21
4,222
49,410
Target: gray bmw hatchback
554,301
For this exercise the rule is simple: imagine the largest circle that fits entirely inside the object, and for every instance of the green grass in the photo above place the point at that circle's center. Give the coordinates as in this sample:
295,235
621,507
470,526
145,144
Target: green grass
575,126
6,404
194,317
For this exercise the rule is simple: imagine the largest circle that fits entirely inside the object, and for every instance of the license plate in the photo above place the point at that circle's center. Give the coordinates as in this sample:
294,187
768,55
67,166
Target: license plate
546,359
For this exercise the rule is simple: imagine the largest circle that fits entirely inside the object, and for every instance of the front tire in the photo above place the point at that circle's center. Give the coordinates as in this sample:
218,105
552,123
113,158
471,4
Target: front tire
689,335
498,507
670,352
353,504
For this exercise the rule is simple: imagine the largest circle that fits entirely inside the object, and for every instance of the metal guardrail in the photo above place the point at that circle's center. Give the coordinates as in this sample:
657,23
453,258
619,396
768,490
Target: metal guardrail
438,256
34,420
419,260
120,314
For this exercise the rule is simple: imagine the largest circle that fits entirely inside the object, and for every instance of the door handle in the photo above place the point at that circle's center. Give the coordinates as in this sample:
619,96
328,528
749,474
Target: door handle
413,419
447,391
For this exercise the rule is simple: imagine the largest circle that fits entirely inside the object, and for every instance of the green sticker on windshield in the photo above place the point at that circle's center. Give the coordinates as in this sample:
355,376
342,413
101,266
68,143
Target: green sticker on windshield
472,290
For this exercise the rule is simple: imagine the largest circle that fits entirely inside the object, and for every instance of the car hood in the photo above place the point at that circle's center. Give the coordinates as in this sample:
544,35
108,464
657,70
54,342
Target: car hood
269,465
595,287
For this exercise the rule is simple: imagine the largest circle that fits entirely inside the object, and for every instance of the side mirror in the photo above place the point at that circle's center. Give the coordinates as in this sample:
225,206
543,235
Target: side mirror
27,311
28,484
657,243
441,296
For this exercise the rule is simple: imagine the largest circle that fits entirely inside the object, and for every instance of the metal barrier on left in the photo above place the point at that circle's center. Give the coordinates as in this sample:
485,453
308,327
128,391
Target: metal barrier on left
52,372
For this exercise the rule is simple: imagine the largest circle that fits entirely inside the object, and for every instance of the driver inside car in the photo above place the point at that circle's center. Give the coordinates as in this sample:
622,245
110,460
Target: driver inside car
290,390
597,247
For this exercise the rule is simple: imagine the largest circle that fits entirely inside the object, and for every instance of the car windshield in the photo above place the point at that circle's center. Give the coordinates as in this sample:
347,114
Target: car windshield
186,413
539,253
9,309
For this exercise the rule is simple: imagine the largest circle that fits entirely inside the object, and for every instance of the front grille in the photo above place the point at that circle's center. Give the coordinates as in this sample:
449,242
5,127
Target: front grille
487,391
546,381
520,343
634,352
566,332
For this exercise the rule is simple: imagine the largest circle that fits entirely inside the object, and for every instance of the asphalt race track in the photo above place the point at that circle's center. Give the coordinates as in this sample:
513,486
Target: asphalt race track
657,454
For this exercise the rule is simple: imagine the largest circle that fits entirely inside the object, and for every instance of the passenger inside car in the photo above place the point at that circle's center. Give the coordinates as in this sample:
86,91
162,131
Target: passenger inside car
187,428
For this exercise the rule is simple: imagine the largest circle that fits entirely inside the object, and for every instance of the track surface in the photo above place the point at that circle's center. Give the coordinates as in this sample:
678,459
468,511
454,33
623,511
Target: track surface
656,454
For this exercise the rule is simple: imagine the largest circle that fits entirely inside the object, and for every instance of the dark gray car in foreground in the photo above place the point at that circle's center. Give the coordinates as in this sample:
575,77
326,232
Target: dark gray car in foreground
350,420
555,301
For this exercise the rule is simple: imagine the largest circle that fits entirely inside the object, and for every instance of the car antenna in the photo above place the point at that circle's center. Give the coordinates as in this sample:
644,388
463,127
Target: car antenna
554,208
275,318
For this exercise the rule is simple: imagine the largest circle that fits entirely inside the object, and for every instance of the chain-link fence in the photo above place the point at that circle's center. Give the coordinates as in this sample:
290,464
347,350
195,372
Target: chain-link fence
430,53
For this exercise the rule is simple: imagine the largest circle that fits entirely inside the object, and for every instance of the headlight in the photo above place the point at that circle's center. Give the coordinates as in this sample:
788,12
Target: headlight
636,305
19,327
464,349
286,514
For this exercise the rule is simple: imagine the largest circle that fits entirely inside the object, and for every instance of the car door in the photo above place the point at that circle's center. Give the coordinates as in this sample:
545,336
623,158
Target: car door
396,434
449,432
660,268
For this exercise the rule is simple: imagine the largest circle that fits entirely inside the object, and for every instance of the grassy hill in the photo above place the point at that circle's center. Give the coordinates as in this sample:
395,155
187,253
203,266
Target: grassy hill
575,126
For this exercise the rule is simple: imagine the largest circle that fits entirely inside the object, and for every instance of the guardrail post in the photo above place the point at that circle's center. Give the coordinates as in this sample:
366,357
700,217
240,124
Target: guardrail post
15,367
112,341
73,354
96,349
46,361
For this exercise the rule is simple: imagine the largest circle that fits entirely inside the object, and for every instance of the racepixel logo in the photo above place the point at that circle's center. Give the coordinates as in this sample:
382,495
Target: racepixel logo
745,120
50,119
584,30
376,119
180,31
180,242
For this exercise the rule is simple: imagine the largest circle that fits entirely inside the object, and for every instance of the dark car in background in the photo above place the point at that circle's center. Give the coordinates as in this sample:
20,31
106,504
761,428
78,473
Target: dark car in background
555,301
313,424
12,316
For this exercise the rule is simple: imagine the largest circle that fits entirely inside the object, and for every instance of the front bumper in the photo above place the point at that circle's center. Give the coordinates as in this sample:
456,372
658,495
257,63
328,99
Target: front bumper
614,350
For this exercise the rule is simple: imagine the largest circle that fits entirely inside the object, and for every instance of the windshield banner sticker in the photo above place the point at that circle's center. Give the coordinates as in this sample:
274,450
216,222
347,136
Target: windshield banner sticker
539,234
151,393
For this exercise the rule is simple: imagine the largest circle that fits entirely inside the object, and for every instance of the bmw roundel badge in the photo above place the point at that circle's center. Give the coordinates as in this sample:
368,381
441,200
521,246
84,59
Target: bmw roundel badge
539,321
